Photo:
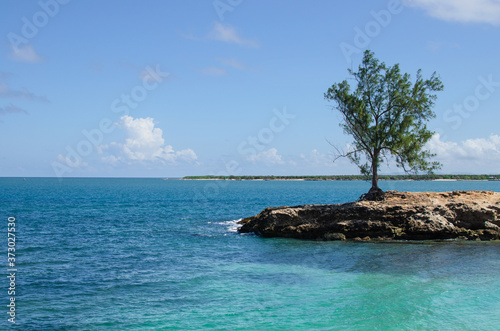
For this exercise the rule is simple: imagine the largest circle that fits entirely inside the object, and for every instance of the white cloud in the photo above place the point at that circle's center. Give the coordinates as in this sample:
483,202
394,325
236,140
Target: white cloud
216,71
7,92
144,143
268,157
436,46
150,74
213,71
11,109
233,63
480,155
145,76
25,54
467,11
190,36
228,34
73,163
317,158
5,75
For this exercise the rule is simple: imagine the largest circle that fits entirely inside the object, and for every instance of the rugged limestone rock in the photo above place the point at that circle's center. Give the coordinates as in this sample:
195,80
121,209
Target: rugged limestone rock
472,215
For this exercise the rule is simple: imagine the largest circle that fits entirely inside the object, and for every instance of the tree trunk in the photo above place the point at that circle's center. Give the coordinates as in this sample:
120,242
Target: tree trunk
374,176
375,193
375,171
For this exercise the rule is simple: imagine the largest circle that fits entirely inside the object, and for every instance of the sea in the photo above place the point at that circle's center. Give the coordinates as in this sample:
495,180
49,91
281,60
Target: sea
155,254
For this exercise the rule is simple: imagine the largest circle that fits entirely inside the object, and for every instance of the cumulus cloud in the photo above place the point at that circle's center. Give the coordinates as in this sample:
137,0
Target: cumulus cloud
25,53
467,11
268,157
144,143
479,155
228,34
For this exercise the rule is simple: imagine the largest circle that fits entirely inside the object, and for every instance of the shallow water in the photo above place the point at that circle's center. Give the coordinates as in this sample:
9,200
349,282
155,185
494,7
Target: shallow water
100,254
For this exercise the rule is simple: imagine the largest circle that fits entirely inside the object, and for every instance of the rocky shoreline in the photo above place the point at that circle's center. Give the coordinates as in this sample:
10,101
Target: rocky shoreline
466,215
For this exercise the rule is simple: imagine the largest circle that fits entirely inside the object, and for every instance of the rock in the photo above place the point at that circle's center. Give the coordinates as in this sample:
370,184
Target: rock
334,236
471,215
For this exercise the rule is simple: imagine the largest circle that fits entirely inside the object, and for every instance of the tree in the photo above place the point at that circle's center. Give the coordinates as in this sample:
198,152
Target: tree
386,114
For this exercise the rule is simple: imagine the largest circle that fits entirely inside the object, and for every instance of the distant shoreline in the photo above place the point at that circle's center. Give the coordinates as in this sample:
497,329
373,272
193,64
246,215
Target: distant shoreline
441,178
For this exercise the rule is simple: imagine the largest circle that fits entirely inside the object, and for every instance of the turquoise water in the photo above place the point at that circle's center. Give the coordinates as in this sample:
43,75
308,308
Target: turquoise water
148,254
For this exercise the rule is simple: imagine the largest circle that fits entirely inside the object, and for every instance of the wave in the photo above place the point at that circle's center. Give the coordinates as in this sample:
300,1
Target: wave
231,226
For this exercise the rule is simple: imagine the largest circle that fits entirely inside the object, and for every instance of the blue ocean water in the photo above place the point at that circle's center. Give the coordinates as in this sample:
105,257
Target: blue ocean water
153,254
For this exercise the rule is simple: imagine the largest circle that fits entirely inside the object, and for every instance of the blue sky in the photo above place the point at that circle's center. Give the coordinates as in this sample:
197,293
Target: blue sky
174,88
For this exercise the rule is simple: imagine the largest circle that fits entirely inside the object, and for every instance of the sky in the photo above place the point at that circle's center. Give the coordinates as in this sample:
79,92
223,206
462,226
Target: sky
231,87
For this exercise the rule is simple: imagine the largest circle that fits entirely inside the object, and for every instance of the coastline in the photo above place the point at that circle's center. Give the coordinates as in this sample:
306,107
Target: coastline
456,215
436,178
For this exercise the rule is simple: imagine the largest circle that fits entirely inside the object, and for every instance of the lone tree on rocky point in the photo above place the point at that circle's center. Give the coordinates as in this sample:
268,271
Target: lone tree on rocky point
386,114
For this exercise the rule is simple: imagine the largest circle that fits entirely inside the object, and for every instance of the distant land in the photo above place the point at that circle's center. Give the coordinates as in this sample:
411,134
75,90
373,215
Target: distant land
349,177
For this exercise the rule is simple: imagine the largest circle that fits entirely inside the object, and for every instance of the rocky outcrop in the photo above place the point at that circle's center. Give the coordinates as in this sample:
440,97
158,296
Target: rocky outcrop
472,215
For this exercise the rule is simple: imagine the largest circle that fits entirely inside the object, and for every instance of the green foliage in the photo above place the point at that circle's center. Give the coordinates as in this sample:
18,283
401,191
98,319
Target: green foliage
386,114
